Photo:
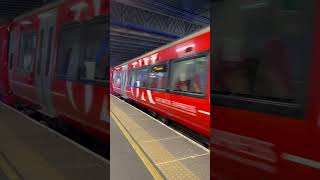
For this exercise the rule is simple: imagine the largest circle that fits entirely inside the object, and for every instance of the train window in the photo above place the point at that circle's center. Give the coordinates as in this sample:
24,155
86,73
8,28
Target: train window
12,47
131,78
69,53
158,77
117,78
262,53
40,51
49,50
28,45
190,75
95,52
142,78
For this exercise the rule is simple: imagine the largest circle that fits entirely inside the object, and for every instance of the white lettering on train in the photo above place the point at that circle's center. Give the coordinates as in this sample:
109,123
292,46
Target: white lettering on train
153,58
178,105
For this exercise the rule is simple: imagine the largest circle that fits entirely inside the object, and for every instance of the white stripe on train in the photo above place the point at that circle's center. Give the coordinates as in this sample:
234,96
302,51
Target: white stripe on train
204,112
150,97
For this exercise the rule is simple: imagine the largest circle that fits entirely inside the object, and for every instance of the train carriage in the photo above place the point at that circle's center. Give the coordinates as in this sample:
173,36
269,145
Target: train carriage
265,90
58,63
172,81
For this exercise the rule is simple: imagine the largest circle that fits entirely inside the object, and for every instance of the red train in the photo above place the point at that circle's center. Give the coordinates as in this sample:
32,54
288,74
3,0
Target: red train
172,81
55,60
266,103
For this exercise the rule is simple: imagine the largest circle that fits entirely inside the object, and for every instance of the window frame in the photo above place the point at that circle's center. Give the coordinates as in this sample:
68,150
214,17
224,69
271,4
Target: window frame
205,53
167,63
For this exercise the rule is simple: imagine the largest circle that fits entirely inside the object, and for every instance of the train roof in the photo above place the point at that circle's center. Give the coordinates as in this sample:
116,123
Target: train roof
202,31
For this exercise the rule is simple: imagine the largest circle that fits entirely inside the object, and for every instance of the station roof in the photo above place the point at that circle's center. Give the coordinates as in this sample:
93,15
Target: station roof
140,26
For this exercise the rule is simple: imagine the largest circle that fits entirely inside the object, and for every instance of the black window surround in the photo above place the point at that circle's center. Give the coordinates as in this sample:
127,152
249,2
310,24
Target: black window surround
193,56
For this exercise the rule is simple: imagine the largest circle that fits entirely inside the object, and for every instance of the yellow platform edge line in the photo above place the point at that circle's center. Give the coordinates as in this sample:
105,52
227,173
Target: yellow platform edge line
152,169
6,168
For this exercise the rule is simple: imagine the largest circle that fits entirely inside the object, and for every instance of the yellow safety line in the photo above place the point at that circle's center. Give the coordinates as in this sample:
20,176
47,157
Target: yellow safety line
7,169
152,169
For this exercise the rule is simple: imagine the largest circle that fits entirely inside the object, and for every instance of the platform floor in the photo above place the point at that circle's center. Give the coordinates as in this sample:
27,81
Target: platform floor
122,152
30,151
165,153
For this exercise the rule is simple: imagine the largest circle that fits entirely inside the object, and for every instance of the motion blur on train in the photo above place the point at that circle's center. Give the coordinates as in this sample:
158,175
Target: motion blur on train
54,60
172,82
265,97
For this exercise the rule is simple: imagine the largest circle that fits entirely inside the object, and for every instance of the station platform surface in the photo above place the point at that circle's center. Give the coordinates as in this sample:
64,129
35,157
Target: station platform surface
31,151
159,151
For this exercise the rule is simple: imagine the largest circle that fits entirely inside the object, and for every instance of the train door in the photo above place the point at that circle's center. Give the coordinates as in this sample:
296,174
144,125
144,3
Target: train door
44,60
124,81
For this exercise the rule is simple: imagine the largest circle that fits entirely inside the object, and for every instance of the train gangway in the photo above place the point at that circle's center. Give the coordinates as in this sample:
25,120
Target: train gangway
30,150
164,152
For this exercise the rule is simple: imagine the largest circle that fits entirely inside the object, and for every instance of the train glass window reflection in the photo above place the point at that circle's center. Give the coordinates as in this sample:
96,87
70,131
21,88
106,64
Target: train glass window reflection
69,53
12,47
28,45
190,75
142,78
95,52
133,78
49,50
262,51
117,78
40,51
157,76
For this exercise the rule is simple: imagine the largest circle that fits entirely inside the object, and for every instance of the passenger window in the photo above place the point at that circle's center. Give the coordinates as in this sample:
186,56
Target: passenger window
130,74
12,48
158,77
142,78
69,53
190,75
94,64
262,50
49,50
117,78
132,78
40,51
28,45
